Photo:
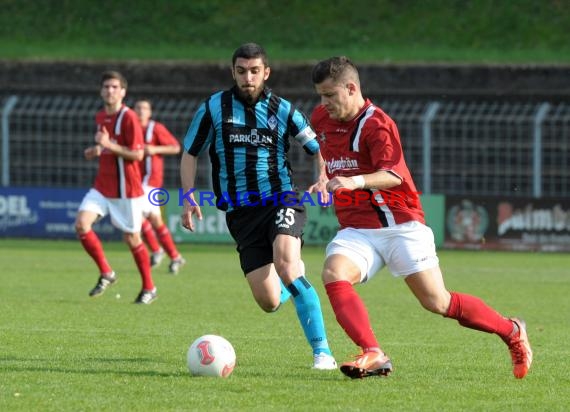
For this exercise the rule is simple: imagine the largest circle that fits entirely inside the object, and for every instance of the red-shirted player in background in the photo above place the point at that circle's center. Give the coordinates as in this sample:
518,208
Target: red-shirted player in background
382,223
159,142
117,190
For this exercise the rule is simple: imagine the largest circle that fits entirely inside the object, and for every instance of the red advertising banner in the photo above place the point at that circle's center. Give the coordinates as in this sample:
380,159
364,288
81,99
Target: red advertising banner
507,223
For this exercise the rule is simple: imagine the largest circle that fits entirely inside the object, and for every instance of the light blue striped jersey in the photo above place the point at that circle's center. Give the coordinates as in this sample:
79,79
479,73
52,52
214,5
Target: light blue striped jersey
248,145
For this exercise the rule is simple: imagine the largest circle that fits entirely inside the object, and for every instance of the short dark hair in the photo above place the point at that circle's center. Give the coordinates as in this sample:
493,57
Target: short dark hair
334,68
250,51
144,100
113,74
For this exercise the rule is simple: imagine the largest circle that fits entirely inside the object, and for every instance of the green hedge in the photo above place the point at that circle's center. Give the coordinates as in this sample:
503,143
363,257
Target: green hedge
381,30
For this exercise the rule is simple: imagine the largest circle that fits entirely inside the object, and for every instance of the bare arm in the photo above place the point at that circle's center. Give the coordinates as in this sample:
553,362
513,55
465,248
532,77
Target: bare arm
165,150
188,166
320,186
92,152
102,139
379,180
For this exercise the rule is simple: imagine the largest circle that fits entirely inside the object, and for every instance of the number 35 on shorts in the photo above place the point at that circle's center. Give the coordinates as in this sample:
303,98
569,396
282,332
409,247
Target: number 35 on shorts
285,216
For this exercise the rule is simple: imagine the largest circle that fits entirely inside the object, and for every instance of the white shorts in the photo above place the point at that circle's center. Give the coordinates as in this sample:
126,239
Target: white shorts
148,207
406,248
126,214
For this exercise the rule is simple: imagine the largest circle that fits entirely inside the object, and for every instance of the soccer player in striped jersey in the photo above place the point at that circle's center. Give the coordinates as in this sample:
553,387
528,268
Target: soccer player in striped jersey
247,130
158,142
117,190
382,223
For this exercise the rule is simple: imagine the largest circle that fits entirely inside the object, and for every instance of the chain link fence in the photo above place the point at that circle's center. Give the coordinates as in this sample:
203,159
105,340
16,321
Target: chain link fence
482,148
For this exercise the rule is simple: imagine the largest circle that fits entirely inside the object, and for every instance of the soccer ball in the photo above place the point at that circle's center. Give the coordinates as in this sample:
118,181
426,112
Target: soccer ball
211,355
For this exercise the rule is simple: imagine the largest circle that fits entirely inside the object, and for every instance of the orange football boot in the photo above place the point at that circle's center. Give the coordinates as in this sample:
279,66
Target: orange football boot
519,346
369,363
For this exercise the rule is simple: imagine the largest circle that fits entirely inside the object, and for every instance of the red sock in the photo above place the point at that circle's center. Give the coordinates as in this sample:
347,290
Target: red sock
351,313
149,237
94,248
166,241
142,260
473,313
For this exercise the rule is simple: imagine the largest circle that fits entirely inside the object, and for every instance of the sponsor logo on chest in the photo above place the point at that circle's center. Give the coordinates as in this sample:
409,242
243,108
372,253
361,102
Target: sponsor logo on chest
254,137
343,163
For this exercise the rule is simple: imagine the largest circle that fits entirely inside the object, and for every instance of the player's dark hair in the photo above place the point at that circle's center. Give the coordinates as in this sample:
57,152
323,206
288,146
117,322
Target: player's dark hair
113,74
145,100
334,68
250,51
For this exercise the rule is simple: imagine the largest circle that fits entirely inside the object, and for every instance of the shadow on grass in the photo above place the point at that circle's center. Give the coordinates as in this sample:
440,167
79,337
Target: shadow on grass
51,366
112,366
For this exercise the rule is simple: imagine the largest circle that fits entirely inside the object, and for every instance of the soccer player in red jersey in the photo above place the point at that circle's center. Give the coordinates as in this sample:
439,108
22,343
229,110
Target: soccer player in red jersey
382,223
117,191
158,142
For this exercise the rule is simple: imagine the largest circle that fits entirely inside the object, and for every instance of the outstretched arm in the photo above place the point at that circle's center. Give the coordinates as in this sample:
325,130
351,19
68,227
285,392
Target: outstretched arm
165,150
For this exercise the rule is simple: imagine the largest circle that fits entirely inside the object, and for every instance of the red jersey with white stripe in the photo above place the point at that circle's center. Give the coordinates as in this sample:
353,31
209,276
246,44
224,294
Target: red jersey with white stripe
366,144
118,177
156,134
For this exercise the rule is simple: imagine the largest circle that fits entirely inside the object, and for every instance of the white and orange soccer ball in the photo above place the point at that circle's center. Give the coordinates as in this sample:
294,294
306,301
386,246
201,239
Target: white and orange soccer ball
211,355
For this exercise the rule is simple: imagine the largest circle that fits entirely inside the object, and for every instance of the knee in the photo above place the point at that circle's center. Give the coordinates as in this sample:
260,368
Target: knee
155,220
330,274
288,271
132,239
81,227
280,265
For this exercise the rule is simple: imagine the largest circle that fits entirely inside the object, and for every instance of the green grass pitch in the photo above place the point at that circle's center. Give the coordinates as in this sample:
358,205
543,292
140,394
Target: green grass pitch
62,351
